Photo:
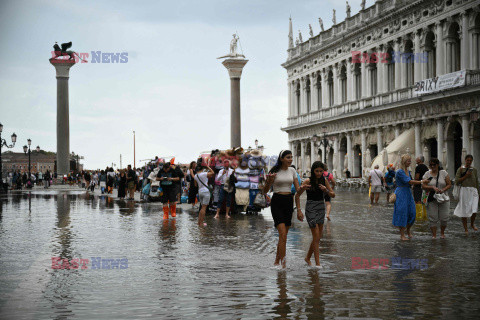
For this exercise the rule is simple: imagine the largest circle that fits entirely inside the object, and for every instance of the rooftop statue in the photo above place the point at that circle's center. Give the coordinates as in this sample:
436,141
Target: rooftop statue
349,9
311,31
321,23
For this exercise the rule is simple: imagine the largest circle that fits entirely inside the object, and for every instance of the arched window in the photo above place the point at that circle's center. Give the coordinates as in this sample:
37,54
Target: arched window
373,78
357,73
476,44
330,88
319,91
390,70
309,95
297,98
453,48
431,52
343,83
408,60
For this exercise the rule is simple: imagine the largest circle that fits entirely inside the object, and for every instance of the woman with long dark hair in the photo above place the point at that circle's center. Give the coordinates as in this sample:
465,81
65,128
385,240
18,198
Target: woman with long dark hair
192,188
280,178
318,188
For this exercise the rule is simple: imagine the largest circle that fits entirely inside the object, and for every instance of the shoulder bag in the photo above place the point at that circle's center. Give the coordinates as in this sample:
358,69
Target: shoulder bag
383,187
209,188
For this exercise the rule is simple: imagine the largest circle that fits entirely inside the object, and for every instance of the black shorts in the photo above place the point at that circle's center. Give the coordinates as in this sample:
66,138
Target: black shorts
169,194
282,209
326,197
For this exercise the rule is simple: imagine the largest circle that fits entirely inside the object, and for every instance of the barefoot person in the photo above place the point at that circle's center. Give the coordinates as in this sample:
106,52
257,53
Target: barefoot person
201,179
467,207
439,184
281,177
317,187
404,210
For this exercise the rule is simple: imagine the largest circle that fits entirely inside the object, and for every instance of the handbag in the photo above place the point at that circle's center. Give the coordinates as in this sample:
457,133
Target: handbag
393,198
229,187
383,186
260,201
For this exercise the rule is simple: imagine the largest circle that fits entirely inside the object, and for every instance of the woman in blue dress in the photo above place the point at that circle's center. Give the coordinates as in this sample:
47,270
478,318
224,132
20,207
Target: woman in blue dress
404,211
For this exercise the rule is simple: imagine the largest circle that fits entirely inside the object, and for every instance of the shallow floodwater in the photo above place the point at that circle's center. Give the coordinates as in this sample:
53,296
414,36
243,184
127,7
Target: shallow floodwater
176,270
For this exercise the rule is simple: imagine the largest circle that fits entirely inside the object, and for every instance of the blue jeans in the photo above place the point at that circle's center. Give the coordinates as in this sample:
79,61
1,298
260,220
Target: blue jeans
224,194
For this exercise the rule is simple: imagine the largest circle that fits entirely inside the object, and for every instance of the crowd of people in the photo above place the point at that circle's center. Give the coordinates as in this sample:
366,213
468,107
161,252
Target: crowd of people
421,195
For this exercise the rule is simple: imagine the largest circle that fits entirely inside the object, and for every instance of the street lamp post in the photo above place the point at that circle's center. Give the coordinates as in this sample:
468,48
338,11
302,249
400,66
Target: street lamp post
324,142
3,143
25,150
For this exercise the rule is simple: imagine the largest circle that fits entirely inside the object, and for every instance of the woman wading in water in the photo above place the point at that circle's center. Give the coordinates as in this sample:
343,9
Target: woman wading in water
318,188
280,178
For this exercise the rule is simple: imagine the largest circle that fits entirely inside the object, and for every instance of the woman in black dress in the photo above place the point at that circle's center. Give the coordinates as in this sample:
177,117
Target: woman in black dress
193,189
122,181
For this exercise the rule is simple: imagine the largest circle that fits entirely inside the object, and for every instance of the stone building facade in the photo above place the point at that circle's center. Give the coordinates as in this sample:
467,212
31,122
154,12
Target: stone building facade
364,107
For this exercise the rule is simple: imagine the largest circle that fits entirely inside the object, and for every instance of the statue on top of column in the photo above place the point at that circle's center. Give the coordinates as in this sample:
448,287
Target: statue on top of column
60,52
334,19
349,9
300,36
321,23
363,4
311,30
233,48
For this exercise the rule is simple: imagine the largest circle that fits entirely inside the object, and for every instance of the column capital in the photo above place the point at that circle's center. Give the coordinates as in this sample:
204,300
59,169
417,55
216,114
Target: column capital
62,67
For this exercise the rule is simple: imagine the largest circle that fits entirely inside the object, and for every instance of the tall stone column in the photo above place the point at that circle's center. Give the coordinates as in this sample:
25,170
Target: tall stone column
465,134
336,158
379,140
290,107
418,140
363,138
62,68
349,152
440,140
303,149
397,131
313,152
397,65
313,93
417,65
464,41
325,94
440,52
380,72
235,67
364,79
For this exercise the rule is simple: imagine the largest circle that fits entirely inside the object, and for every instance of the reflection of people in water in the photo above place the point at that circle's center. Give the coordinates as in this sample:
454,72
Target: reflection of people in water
314,305
282,307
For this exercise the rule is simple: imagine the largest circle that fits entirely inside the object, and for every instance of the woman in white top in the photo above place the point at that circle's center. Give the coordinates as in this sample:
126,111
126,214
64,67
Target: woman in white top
201,180
281,177
437,181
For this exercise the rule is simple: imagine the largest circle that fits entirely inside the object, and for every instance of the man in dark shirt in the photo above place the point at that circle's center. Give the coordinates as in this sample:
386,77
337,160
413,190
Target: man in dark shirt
178,184
131,179
347,174
168,177
419,172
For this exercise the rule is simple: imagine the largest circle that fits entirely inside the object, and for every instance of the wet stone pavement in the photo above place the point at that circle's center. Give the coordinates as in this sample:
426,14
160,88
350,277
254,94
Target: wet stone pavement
175,270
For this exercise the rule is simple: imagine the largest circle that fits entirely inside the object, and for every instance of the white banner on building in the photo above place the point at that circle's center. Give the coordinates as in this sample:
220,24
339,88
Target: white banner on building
446,81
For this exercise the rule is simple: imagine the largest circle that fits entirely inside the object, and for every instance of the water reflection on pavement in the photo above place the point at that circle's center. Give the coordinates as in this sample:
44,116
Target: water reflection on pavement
224,270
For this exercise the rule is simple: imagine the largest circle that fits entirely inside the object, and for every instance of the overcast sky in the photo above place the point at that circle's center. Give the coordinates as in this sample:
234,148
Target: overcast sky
172,91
